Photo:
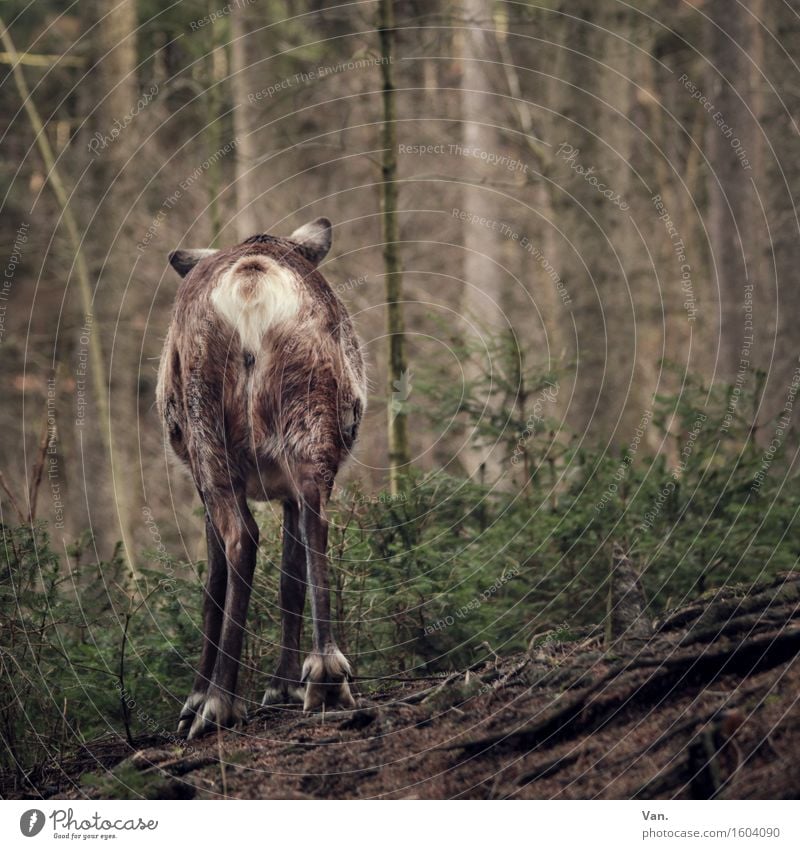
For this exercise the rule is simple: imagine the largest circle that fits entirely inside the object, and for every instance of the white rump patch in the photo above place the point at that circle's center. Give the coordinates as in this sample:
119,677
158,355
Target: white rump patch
255,295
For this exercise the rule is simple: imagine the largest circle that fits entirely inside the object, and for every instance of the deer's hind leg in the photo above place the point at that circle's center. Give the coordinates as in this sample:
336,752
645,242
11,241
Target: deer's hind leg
239,531
213,611
285,686
326,670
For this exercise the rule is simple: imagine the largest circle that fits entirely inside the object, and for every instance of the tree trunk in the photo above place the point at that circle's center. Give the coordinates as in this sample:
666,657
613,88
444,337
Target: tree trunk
483,293
111,94
593,240
730,212
399,378
217,71
247,222
777,178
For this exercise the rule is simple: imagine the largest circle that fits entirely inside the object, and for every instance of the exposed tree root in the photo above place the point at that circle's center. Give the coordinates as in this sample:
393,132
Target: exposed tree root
587,711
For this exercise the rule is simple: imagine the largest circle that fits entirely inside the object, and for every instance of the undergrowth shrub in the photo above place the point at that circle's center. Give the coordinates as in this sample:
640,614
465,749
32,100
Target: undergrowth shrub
84,650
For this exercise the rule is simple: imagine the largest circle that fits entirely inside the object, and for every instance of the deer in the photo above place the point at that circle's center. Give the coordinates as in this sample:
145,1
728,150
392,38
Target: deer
261,390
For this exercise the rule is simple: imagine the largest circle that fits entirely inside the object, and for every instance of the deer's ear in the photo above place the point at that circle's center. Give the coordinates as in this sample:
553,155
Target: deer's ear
184,261
314,239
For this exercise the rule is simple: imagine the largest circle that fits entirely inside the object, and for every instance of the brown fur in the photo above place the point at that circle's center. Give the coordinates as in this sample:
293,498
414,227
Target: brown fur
276,422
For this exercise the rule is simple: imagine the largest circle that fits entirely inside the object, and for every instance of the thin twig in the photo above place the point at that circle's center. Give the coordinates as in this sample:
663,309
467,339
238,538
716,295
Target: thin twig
126,714
223,776
14,503
36,478
406,678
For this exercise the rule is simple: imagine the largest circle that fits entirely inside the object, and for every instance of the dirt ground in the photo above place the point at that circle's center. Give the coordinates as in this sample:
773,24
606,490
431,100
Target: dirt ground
705,705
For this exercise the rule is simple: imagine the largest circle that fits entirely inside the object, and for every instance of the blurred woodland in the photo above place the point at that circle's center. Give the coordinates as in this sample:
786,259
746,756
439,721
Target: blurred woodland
599,244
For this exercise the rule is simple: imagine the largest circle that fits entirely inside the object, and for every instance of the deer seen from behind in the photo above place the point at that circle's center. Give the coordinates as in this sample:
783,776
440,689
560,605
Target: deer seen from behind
261,389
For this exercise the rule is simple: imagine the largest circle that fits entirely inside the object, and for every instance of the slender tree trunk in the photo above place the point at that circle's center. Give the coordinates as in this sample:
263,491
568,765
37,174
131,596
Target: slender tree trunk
213,136
483,297
777,177
247,223
592,239
758,236
399,381
111,93
728,186
483,293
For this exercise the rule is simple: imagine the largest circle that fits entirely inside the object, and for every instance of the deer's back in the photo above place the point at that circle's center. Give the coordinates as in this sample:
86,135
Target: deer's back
261,368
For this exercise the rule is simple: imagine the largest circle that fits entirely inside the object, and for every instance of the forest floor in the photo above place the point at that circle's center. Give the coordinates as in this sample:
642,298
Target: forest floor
706,705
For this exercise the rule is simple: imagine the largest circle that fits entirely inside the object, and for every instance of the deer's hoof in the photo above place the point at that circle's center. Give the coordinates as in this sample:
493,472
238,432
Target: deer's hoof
282,692
219,710
189,712
325,676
